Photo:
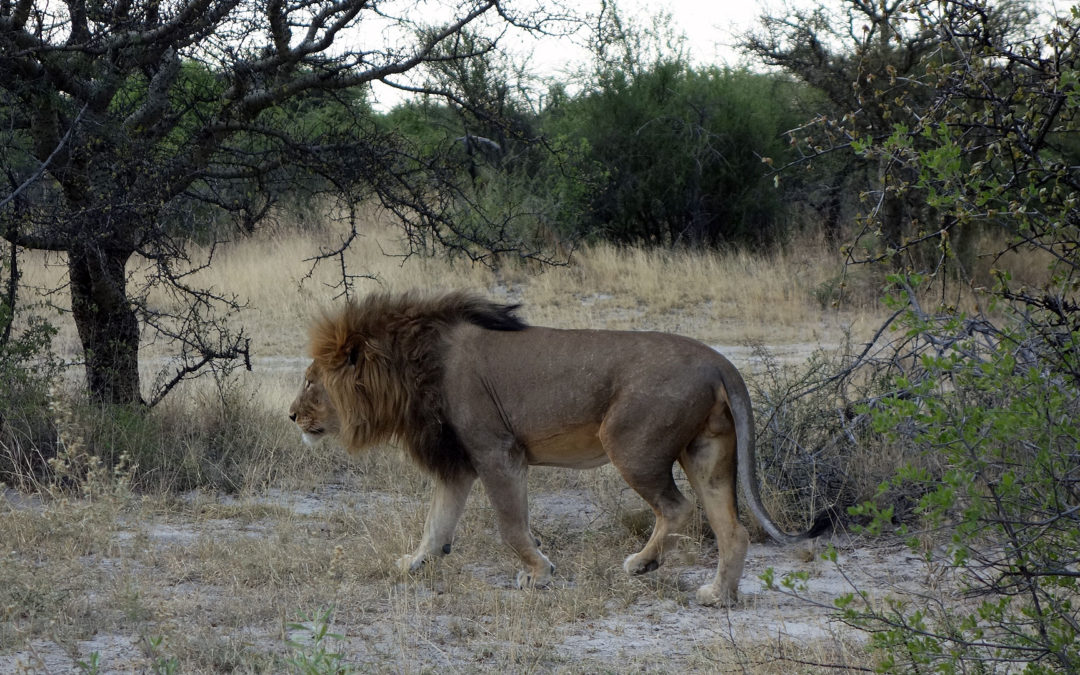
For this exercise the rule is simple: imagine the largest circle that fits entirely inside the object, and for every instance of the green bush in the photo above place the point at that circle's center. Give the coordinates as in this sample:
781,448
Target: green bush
972,123
681,154
1007,503
655,154
219,439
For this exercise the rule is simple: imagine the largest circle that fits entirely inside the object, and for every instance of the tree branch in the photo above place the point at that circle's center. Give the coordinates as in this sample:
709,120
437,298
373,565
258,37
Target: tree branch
36,176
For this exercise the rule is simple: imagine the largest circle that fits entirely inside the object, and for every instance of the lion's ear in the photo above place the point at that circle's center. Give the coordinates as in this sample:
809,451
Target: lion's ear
352,351
335,341
356,351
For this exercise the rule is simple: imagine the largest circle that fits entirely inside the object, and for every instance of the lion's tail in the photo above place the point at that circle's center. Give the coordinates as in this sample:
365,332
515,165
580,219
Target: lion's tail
739,400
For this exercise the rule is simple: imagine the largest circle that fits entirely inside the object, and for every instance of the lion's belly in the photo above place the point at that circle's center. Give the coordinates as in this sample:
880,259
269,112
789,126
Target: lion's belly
575,448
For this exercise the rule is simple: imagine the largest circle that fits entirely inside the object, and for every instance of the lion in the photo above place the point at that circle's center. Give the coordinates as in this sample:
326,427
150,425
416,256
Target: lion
471,391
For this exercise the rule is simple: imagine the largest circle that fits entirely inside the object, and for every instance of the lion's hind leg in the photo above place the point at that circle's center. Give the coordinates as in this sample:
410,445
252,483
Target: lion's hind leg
672,511
656,485
447,505
709,463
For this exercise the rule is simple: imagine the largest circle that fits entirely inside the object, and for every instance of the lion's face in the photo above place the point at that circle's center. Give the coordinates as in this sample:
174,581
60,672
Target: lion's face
311,410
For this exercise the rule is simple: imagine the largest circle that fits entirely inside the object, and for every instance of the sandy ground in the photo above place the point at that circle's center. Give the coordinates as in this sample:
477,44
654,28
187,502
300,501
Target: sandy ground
649,634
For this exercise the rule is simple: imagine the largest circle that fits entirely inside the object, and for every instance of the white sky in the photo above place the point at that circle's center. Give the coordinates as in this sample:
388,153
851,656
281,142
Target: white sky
710,26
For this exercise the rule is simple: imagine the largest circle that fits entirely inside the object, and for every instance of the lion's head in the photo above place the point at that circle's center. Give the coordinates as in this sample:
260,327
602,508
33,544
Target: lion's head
312,411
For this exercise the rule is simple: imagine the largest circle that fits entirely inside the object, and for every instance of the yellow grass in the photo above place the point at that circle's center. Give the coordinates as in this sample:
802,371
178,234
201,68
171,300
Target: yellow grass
721,297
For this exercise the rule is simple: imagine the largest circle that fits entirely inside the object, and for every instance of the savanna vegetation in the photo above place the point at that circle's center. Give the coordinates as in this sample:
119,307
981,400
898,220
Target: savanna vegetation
893,182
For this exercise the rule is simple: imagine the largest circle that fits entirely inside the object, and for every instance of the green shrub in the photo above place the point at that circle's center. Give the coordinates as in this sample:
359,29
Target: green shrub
309,644
220,438
680,155
1004,511
973,129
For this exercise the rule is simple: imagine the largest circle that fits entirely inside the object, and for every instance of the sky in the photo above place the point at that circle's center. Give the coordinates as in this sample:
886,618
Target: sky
710,27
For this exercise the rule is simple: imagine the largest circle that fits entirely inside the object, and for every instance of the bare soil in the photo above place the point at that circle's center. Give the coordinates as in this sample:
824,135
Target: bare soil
391,623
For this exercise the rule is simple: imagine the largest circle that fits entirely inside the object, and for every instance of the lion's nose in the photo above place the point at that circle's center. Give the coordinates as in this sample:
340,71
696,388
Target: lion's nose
292,416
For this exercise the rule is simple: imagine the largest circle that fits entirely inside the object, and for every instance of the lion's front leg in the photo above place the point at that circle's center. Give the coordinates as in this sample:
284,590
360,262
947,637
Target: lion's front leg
506,484
447,505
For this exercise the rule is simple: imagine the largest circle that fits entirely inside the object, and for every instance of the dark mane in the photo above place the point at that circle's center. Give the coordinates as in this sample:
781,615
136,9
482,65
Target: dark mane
493,316
381,361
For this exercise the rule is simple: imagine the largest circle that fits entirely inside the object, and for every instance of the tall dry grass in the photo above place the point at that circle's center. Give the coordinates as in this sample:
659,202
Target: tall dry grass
718,296
729,296
724,297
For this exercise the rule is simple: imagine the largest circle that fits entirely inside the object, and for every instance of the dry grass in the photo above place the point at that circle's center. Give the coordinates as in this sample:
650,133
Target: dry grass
726,297
148,580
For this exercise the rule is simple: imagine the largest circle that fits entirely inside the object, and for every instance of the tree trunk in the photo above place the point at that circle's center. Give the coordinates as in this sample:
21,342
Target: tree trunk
108,327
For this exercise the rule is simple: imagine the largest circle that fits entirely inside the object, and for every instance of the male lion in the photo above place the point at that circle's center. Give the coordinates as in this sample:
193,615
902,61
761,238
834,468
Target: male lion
472,391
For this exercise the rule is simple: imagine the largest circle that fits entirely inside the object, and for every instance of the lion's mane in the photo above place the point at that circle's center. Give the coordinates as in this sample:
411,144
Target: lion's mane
381,363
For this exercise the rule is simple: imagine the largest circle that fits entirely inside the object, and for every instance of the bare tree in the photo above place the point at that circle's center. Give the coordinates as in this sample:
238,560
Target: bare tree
128,125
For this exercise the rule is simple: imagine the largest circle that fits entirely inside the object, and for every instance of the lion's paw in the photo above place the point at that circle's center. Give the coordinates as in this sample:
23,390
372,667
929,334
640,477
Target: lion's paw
409,564
640,564
527,579
712,595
